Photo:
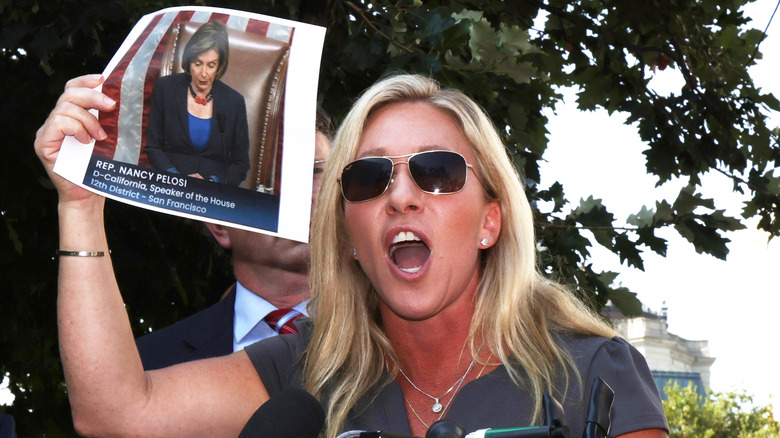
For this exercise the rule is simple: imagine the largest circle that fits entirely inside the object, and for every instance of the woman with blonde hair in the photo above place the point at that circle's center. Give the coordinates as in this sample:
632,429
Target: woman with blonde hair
426,300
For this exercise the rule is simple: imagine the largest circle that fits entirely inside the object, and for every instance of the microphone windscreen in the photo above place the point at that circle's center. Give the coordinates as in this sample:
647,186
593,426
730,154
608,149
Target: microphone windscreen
380,434
445,429
351,434
292,413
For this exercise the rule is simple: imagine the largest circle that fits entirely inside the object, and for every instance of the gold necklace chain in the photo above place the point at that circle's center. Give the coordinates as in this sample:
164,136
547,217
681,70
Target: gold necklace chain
415,413
484,365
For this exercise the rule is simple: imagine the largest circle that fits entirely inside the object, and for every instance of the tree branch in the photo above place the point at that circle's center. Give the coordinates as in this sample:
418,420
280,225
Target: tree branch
737,179
359,11
592,228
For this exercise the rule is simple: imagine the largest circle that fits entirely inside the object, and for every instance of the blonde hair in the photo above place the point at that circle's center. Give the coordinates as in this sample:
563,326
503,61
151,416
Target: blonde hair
517,314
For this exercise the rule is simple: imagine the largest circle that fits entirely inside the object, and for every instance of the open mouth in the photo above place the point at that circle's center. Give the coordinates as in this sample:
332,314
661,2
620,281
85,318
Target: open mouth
408,252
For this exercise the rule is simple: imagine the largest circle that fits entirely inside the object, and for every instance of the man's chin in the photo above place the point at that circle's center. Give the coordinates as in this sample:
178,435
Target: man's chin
299,254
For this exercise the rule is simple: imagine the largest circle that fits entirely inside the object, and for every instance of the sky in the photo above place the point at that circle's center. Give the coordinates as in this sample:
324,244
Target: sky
732,304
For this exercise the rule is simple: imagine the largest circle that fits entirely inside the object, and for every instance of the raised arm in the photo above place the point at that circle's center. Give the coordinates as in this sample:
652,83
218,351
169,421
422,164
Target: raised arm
109,392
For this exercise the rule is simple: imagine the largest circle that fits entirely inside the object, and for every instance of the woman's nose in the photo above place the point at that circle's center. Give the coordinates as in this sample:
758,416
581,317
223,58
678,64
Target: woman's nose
403,194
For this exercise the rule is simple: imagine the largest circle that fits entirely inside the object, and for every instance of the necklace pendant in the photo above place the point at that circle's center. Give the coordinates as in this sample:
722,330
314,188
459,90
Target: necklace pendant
436,406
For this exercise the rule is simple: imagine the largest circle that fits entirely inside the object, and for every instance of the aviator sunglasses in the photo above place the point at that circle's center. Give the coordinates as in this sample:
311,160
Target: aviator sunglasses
435,172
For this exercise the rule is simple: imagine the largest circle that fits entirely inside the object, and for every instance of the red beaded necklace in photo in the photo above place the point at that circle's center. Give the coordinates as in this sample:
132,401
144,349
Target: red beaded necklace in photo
201,100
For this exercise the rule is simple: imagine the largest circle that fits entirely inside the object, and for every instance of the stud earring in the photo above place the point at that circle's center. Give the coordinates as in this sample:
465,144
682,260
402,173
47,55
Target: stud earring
484,241
354,253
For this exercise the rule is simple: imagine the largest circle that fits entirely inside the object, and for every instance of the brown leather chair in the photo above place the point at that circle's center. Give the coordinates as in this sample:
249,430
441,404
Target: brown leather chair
258,70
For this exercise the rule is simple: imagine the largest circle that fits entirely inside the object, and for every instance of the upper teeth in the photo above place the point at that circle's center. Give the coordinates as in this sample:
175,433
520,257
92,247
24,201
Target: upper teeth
405,236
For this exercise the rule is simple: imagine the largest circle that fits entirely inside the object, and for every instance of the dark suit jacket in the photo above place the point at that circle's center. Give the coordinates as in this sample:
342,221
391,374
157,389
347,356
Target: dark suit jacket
225,157
208,333
7,426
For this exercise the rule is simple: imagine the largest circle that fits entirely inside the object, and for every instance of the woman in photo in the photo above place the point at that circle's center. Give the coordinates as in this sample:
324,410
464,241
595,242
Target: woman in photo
198,124
426,301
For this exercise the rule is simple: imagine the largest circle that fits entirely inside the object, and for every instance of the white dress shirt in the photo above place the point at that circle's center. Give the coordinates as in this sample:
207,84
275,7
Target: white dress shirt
248,315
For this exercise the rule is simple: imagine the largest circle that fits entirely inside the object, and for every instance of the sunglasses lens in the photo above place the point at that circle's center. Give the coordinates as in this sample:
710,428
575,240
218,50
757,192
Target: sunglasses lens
438,171
366,178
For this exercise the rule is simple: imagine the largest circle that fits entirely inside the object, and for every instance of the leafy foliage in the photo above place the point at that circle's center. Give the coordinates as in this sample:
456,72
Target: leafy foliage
498,52
717,415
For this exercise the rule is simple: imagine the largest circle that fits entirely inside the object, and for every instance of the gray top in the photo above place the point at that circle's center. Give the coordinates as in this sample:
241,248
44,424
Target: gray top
493,400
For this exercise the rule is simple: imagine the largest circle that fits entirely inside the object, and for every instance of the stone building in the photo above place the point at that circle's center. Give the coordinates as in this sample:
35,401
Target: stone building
670,357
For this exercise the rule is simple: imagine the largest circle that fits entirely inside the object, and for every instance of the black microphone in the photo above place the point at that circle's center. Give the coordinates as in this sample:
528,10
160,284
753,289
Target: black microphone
292,413
372,434
225,153
599,418
554,420
221,122
445,429
439,429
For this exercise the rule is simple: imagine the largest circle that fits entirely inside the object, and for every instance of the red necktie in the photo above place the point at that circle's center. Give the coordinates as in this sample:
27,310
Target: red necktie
281,320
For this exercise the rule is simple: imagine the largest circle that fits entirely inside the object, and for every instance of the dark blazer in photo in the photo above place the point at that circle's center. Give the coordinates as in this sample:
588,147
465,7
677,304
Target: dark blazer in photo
224,158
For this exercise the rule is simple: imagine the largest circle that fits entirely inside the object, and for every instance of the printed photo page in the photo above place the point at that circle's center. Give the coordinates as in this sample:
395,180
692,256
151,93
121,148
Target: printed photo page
215,120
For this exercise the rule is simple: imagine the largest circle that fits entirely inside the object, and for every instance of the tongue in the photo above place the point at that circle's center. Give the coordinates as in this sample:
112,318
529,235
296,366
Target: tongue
411,255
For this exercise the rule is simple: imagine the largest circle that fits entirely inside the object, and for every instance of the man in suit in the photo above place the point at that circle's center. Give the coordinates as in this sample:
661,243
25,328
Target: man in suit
271,273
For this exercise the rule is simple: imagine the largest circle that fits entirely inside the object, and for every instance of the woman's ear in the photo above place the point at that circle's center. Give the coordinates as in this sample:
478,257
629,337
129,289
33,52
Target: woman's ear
221,235
491,225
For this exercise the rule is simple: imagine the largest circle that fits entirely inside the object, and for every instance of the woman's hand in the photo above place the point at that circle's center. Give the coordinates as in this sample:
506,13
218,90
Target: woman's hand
71,116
